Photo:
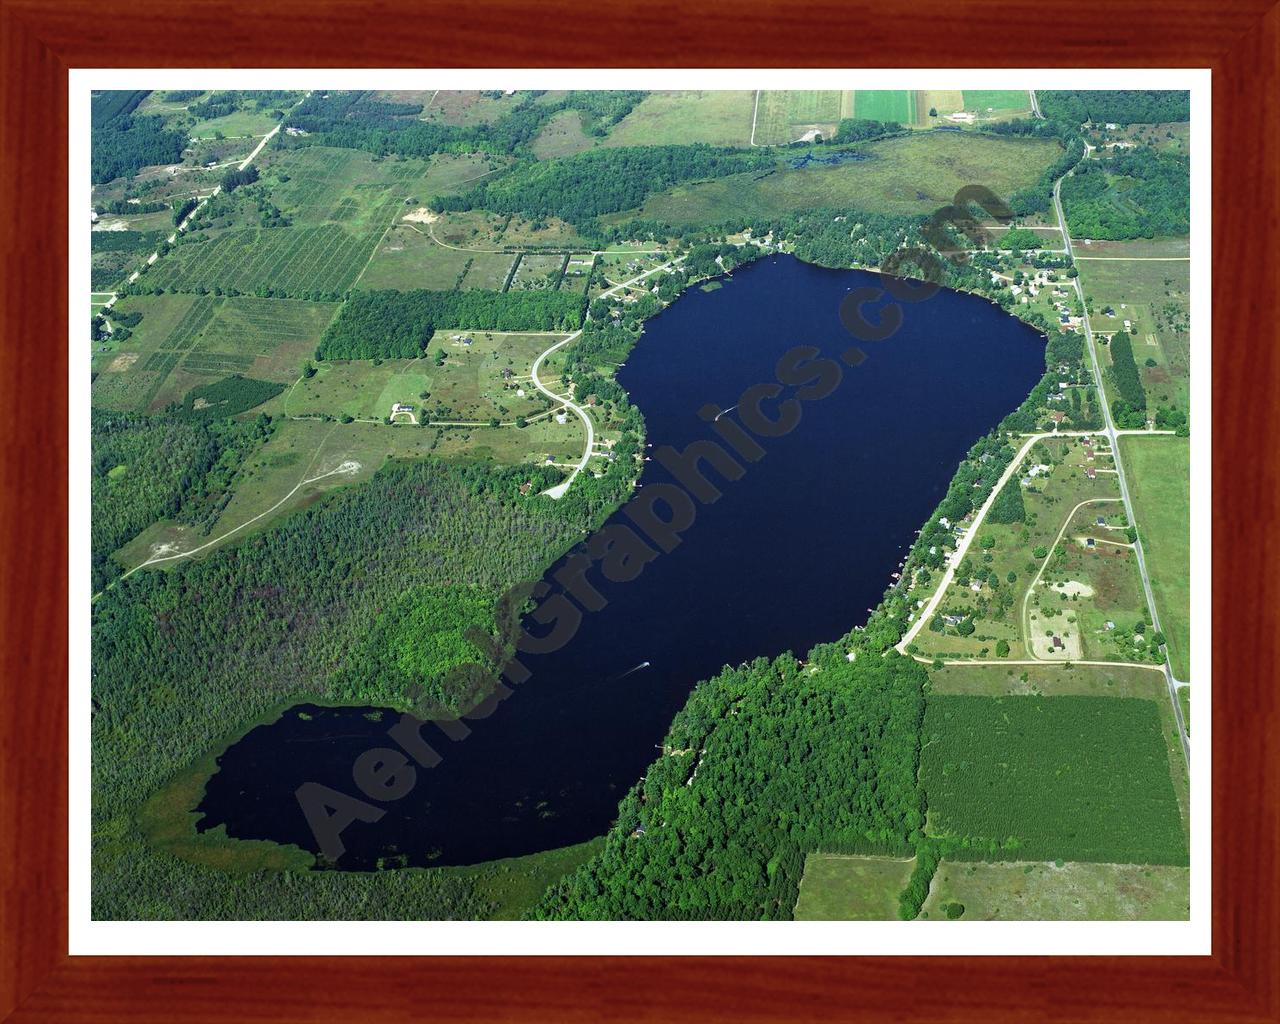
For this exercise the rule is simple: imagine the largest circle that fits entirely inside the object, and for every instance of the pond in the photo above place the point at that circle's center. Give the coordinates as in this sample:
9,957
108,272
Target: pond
794,553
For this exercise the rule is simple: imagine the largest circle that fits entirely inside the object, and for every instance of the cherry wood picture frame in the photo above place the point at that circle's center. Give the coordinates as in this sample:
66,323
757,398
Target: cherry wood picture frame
41,39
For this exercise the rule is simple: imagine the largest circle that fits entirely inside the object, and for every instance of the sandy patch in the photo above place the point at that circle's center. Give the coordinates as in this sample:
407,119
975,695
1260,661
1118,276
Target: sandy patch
122,362
111,225
422,216
1073,587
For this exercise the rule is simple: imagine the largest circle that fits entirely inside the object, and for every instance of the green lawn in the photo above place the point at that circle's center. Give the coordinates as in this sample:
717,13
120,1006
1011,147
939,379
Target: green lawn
1076,778
843,888
1158,469
885,105
1075,891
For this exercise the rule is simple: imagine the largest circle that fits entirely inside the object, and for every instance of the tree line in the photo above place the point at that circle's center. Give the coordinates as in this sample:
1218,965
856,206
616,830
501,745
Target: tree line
398,325
580,188
1129,409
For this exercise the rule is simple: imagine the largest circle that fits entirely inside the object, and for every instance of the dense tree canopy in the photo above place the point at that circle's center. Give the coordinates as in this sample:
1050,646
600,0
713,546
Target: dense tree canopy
763,764
580,188
398,325
127,143
1137,193
1120,106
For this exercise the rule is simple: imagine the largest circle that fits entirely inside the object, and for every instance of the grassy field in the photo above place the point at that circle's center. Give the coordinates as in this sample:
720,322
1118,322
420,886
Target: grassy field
1049,680
842,888
944,101
561,136
714,116
1049,499
885,105
1184,698
265,338
912,175
1070,777
184,340
237,125
997,101
1159,470
1048,891
467,386
785,116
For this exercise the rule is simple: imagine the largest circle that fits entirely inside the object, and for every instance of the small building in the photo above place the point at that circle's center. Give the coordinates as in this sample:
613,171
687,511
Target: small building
1100,521
1108,625
1058,645
400,407
1090,472
506,373
526,487
551,460
1089,542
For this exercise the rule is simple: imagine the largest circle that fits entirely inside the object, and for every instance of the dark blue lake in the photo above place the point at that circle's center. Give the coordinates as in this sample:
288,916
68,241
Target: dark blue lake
793,554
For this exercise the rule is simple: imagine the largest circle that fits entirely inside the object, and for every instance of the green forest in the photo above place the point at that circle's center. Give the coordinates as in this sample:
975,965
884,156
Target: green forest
579,188
1119,106
1136,193
122,143
762,765
398,325
1129,408
181,657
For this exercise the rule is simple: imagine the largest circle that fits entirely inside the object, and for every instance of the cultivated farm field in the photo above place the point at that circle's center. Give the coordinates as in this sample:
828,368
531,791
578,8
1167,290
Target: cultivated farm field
1037,778
1159,475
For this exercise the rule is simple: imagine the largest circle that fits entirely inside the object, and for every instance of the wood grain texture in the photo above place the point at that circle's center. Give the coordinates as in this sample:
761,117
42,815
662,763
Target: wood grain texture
40,41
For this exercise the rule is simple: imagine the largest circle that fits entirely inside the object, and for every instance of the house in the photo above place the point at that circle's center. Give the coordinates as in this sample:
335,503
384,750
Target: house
526,486
506,373
1058,645
400,407
1088,452
1057,417
562,417
1090,472
953,620
1089,542
1100,521
551,460
1108,625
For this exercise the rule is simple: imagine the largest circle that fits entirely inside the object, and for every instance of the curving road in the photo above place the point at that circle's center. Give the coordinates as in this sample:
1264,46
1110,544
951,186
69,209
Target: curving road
559,489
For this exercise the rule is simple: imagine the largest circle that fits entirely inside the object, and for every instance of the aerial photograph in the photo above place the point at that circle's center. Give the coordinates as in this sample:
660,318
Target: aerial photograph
621,505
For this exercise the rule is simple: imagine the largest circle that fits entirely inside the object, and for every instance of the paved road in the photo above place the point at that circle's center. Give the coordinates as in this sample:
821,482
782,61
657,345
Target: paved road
1170,681
559,489
927,612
